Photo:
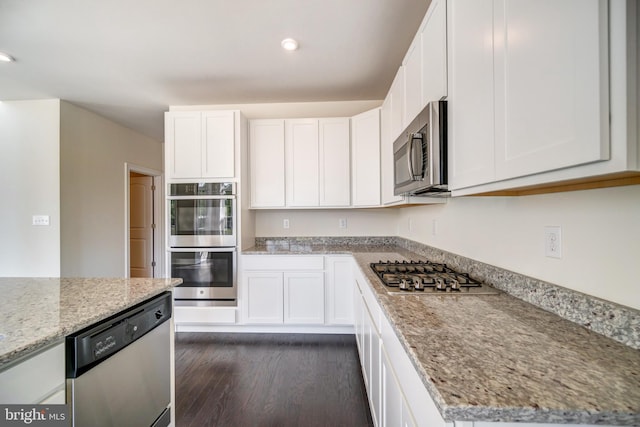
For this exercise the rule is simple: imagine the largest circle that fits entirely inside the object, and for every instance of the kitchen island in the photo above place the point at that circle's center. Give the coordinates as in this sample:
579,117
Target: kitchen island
36,313
496,358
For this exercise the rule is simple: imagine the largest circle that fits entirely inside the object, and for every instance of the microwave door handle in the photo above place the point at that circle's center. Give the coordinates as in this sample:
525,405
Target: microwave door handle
410,157
414,177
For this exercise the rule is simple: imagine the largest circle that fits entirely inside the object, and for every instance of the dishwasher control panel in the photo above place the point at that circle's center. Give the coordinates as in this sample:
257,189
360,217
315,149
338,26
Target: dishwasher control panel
98,342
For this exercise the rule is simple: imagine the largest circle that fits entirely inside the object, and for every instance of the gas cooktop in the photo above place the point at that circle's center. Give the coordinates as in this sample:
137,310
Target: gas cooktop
427,277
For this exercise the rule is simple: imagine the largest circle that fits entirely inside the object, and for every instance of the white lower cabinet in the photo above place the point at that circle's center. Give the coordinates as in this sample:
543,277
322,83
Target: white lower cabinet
397,396
393,403
339,290
39,379
263,297
372,357
283,289
304,298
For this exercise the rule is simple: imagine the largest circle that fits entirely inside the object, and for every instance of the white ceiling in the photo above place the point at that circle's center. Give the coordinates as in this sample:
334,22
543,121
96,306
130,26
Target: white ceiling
130,60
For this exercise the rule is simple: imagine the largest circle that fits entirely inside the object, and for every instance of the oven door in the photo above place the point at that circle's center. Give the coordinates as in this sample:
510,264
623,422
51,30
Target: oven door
207,275
202,221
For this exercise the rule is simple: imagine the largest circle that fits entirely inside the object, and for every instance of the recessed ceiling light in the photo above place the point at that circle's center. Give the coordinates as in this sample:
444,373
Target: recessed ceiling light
5,57
289,44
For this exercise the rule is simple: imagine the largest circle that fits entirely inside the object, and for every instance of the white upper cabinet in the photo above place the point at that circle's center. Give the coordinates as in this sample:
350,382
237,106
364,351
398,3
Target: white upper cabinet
413,76
529,99
365,163
550,66
433,35
425,64
386,156
335,162
396,105
218,145
183,132
266,157
300,163
470,104
301,149
200,144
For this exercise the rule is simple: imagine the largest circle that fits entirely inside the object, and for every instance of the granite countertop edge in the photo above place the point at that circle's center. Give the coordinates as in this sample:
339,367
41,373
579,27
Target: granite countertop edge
449,412
37,345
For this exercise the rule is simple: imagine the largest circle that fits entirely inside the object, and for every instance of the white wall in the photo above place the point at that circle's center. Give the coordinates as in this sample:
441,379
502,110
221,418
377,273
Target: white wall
94,151
307,223
29,185
600,237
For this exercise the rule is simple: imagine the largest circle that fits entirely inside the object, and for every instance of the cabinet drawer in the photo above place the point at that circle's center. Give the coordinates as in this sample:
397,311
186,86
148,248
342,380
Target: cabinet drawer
205,315
282,262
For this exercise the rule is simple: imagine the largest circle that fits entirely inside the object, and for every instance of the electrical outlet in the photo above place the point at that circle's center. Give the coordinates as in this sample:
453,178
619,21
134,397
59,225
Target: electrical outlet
285,223
553,242
434,227
342,223
40,219
409,224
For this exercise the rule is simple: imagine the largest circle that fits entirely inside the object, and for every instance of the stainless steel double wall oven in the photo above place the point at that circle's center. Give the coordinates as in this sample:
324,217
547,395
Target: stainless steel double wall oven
202,242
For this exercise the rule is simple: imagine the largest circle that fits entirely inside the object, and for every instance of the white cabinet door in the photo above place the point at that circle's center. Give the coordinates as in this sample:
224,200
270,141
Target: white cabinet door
392,399
413,77
373,350
470,106
551,85
301,149
266,154
396,96
218,149
434,52
38,379
528,87
365,165
386,156
183,136
339,281
200,144
263,295
367,335
358,303
407,416
334,162
303,298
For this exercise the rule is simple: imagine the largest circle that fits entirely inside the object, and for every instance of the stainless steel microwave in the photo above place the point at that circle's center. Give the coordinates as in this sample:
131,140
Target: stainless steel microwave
420,154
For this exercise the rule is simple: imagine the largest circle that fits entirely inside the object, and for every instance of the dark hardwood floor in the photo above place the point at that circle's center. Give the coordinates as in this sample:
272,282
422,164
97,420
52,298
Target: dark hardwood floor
279,380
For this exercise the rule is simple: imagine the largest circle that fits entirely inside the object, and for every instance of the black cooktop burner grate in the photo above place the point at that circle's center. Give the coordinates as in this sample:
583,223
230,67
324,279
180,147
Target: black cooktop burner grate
427,277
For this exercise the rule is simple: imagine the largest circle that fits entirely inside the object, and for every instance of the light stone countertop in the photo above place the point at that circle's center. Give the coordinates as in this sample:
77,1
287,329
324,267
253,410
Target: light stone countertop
499,358
38,312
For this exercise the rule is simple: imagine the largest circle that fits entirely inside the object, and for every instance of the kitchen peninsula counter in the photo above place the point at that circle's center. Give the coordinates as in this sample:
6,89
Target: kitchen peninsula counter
497,357
38,312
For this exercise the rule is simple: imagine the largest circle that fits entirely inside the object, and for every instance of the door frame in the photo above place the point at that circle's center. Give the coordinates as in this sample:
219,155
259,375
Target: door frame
158,215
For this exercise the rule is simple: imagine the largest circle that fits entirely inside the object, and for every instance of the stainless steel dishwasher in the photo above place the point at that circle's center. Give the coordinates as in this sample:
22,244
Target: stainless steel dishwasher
118,370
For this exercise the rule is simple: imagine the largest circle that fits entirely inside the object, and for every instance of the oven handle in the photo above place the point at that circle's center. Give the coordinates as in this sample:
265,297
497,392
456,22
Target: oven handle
203,249
200,197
